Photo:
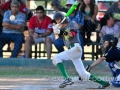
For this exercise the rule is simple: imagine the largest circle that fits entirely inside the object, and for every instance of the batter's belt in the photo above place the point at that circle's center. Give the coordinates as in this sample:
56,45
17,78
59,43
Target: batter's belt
73,44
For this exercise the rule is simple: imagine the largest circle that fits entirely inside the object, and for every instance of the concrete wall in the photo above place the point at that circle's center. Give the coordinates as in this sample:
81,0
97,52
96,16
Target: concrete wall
41,63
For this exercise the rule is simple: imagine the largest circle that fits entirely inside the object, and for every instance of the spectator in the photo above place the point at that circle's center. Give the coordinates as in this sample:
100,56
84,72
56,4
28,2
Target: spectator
109,26
40,30
57,6
114,10
13,27
80,2
6,6
77,17
1,18
90,11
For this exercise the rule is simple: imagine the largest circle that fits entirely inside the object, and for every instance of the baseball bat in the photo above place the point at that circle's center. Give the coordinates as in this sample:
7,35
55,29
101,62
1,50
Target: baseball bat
70,10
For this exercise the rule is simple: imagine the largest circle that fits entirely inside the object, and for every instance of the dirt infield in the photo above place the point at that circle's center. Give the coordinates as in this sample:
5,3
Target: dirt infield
26,78
45,84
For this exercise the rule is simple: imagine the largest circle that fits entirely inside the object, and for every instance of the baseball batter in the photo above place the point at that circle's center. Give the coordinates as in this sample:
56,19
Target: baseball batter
71,40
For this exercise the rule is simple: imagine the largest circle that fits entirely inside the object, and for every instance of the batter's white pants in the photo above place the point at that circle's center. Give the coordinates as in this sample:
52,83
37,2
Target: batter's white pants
73,54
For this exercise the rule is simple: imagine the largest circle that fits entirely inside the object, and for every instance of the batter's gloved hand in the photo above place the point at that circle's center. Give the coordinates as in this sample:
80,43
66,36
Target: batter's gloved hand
88,68
56,29
56,26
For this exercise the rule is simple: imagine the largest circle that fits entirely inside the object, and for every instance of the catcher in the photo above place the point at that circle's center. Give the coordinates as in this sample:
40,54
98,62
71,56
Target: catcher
111,56
71,40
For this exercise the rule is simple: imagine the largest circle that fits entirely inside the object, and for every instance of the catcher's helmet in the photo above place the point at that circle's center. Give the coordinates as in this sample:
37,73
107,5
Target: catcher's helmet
60,15
111,40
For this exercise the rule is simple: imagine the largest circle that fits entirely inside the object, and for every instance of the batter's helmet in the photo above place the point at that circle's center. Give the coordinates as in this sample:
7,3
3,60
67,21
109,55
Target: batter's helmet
60,15
112,42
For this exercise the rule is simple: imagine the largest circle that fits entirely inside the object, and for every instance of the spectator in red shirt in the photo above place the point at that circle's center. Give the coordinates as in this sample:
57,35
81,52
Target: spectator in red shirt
6,6
40,30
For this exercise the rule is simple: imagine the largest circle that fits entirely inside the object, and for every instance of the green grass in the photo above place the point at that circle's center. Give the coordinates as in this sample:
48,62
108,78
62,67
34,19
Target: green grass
31,71
40,72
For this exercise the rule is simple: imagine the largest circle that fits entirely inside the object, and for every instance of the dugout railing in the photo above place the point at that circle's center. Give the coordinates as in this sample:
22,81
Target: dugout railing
94,54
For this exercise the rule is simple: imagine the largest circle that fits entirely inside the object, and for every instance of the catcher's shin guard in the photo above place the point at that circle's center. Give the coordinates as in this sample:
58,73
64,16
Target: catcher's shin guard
115,69
116,81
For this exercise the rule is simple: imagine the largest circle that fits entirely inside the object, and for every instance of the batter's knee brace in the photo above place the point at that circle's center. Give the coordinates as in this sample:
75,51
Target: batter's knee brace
56,60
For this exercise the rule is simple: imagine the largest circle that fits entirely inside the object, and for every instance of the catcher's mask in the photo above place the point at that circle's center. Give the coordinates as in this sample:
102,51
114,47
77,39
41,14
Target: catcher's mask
112,42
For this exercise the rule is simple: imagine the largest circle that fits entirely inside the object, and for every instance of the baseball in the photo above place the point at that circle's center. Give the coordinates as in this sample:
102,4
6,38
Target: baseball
12,17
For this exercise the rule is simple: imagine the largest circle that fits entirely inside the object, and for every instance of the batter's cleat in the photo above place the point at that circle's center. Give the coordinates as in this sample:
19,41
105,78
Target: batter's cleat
66,82
104,86
88,68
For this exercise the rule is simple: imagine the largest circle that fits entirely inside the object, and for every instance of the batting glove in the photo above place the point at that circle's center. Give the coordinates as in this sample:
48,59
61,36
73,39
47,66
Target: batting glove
56,29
